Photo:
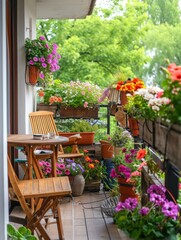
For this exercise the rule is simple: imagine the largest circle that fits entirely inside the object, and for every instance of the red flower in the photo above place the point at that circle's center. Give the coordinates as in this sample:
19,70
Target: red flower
141,154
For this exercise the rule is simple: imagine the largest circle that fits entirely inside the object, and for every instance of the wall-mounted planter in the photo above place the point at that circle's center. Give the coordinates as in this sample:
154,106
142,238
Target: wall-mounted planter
79,112
47,107
147,131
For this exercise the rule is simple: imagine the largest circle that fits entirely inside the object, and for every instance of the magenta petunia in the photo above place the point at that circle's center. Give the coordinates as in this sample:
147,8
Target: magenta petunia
35,59
41,75
44,65
144,211
42,38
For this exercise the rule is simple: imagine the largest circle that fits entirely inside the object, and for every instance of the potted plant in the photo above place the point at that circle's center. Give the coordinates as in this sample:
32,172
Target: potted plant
159,219
127,169
66,167
107,149
48,98
121,138
79,99
84,128
94,173
42,58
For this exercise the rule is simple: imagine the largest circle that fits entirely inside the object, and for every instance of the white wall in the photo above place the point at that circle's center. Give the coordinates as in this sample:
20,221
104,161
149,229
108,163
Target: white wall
26,94
3,125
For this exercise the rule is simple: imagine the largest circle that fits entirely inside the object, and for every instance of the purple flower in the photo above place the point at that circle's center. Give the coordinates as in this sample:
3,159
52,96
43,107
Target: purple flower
42,38
41,75
31,62
58,56
113,173
120,206
44,65
35,59
157,199
49,56
144,211
169,209
131,203
49,61
62,166
42,59
47,46
55,46
54,52
157,189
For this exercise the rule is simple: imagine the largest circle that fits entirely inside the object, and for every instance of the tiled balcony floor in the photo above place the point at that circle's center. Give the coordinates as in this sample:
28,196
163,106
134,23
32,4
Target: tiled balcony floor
83,219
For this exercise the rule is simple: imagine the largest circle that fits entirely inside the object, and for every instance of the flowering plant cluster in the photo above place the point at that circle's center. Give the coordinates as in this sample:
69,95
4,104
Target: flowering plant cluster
147,103
65,167
172,90
93,168
50,95
129,163
159,219
43,55
130,85
79,94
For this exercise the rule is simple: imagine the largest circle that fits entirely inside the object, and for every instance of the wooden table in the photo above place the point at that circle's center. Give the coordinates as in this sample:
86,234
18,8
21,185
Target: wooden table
29,144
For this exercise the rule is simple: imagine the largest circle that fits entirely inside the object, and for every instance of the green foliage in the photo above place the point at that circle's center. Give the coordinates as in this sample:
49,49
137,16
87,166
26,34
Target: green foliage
121,137
22,233
138,107
83,126
95,48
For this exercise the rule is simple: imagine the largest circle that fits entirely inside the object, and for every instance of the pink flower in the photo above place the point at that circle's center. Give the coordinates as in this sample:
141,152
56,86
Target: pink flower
42,38
41,75
86,104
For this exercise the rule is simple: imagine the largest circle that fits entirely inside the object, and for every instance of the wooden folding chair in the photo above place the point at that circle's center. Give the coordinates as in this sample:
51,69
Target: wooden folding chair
42,122
48,189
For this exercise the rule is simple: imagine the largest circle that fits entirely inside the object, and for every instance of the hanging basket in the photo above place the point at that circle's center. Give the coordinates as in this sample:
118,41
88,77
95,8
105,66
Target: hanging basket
32,74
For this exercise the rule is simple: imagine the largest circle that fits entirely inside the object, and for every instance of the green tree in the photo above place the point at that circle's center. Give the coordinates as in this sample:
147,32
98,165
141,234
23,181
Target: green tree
163,11
95,48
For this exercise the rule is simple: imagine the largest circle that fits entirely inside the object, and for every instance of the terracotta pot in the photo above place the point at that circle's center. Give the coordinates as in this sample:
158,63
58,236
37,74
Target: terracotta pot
133,126
123,98
33,74
126,189
107,150
87,137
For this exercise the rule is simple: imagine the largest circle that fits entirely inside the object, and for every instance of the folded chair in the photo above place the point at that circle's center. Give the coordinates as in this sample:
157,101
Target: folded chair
42,122
48,190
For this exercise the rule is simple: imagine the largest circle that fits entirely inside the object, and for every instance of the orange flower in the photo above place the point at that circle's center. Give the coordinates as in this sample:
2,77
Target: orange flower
41,93
55,99
141,153
91,165
87,158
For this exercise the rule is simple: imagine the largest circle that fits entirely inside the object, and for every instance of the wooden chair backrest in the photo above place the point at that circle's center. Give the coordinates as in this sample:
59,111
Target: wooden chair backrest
42,122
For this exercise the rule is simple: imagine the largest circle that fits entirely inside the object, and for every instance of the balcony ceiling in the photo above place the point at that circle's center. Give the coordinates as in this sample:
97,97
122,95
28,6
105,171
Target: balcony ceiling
64,9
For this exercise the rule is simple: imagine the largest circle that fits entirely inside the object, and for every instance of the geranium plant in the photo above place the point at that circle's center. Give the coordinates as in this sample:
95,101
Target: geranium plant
65,167
159,219
43,55
129,163
147,103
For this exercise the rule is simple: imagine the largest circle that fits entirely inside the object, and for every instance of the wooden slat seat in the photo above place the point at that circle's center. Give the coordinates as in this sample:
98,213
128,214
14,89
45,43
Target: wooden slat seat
47,193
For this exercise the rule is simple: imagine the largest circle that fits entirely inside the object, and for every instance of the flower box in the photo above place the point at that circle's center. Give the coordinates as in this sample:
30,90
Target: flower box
87,137
47,107
79,112
168,142
146,131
